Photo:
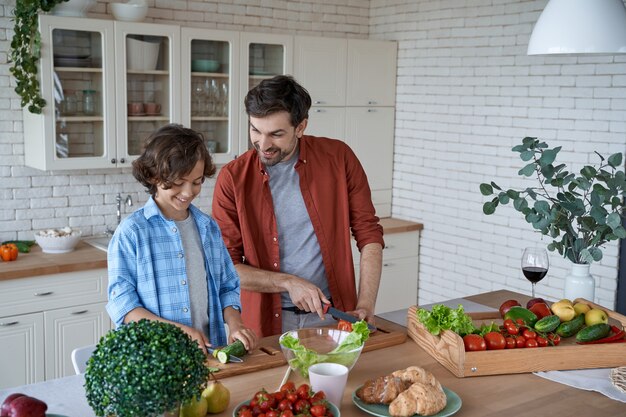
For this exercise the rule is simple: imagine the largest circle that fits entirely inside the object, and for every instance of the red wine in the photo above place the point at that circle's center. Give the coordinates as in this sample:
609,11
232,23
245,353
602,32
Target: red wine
534,274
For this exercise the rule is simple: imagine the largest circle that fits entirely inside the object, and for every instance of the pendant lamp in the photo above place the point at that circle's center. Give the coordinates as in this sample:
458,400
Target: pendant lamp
580,27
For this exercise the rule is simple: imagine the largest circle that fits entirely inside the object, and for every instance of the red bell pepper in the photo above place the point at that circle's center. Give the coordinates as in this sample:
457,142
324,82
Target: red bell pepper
8,252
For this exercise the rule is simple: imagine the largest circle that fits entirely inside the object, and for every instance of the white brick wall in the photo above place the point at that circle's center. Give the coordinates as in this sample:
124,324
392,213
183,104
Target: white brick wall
467,93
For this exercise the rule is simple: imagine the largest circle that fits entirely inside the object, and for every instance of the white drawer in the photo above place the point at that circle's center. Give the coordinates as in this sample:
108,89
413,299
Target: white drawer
401,245
28,295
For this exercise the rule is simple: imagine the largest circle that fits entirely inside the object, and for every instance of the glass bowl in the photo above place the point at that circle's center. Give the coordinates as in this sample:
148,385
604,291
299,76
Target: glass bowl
319,343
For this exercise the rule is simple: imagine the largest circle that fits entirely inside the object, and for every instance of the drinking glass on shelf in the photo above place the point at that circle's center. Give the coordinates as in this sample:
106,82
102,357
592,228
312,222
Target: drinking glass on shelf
224,100
535,265
198,100
212,94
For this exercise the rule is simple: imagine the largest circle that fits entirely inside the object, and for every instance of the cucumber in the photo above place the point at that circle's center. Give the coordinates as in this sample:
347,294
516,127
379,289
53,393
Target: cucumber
547,324
234,349
593,332
517,312
570,328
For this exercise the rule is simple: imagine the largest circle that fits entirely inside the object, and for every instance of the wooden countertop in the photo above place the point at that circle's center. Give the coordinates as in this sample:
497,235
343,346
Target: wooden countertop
485,396
86,257
34,263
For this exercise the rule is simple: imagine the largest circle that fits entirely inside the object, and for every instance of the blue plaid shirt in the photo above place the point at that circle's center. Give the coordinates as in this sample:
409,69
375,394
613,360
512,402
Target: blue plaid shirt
147,269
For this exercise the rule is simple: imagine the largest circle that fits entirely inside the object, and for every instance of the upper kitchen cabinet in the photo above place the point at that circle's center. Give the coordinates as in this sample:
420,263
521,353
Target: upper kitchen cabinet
210,92
371,77
320,66
263,55
77,126
147,74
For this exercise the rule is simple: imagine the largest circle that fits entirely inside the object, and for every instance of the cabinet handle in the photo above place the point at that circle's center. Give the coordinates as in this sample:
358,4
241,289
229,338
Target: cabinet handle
41,294
388,247
79,312
122,161
371,110
319,102
371,102
113,160
387,264
319,111
11,323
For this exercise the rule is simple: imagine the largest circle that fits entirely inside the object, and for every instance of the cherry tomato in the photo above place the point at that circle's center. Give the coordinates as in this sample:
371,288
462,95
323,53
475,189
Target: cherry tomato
286,413
529,334
318,396
512,328
284,405
278,396
510,343
520,341
245,412
291,397
542,341
508,322
494,341
301,406
474,342
271,413
531,343
344,325
318,410
304,392
288,386
554,339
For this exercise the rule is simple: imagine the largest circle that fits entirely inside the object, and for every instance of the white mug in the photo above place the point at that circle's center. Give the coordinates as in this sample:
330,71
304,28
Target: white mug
330,378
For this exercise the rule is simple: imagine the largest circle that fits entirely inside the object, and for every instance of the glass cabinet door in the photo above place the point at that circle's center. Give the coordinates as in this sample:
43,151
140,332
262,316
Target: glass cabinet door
208,65
78,121
263,56
148,76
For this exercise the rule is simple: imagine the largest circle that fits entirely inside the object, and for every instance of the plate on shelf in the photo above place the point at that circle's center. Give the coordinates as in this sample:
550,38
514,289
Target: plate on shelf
136,114
260,72
72,62
453,404
152,114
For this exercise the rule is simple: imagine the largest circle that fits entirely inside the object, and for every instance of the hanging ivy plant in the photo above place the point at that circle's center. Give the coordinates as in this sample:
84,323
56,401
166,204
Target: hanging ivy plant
26,51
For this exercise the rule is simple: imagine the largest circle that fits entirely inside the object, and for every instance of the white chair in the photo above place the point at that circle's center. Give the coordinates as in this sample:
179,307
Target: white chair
80,356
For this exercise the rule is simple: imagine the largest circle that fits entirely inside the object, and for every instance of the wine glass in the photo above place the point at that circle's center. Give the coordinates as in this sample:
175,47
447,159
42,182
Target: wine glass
535,265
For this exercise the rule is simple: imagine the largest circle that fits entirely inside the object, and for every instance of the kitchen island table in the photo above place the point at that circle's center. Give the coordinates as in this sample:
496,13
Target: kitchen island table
484,396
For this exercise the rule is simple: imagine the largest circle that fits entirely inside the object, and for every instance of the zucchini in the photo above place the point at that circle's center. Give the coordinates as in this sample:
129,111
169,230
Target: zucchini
593,332
547,324
570,328
234,349
517,312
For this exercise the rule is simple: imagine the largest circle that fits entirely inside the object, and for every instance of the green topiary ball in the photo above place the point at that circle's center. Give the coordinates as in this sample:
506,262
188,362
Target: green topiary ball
144,369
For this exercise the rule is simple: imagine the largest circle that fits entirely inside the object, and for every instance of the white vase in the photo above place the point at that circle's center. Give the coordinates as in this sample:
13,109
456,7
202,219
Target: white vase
579,283
76,8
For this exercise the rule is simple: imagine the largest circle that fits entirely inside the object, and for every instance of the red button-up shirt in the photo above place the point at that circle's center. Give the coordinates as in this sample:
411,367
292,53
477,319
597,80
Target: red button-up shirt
338,199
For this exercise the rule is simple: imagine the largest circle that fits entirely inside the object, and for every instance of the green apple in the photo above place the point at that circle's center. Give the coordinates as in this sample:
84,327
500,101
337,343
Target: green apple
217,397
194,408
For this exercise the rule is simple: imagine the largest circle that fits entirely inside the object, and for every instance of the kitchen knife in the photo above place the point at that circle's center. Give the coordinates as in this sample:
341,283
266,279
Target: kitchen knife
341,315
231,358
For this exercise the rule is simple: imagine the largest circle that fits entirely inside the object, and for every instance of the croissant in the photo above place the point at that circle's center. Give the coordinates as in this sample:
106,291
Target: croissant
424,399
414,374
382,390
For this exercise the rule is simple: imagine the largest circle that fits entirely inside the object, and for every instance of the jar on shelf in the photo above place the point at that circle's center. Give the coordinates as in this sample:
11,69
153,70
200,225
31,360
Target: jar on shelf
89,102
69,105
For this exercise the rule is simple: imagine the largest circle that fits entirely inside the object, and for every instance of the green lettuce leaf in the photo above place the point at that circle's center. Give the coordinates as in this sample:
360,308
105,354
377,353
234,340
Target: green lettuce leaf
442,317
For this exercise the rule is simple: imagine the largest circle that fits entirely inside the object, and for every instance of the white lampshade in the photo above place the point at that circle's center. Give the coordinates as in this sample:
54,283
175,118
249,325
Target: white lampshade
580,27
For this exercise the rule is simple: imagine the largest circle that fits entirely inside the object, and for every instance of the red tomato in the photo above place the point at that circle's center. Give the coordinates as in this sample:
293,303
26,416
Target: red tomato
284,405
286,413
278,396
291,397
508,322
494,341
245,412
271,413
318,396
554,339
344,325
531,343
529,334
542,341
304,392
510,343
474,342
288,386
511,328
318,410
520,341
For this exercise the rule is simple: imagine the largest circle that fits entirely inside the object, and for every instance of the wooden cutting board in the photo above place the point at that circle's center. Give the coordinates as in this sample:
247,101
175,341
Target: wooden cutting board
269,355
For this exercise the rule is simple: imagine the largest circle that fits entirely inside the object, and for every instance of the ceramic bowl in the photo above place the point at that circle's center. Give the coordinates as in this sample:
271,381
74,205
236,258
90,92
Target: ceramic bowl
58,240
76,8
320,342
204,65
130,12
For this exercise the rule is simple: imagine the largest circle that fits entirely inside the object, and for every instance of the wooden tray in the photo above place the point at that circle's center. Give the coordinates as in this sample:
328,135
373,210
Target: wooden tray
449,351
269,355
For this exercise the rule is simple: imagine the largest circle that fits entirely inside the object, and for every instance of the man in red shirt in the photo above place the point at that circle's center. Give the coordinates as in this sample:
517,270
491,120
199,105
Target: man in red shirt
287,210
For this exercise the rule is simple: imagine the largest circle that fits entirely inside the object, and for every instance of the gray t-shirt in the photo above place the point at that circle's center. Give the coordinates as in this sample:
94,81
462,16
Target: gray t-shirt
196,274
300,252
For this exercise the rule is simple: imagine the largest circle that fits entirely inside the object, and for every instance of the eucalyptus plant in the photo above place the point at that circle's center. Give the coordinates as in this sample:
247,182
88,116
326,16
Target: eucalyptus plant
25,51
144,369
579,212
